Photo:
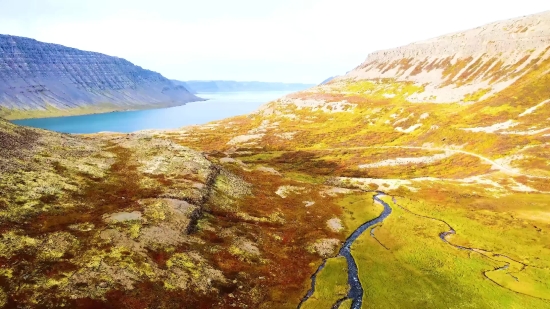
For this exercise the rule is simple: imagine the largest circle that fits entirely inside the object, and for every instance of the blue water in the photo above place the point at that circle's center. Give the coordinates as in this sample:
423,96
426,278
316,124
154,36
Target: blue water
218,106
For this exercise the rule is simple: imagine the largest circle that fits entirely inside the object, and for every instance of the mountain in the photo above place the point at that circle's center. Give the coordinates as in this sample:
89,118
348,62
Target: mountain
230,86
184,84
409,189
482,61
40,79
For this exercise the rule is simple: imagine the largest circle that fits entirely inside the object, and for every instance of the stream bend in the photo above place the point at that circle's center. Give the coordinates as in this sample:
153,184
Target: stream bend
355,292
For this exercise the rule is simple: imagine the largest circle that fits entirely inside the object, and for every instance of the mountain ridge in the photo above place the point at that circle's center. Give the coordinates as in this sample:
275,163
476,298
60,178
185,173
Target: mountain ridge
54,79
489,58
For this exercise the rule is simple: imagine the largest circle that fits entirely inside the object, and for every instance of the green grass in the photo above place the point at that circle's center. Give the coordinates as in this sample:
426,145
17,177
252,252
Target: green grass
346,304
301,177
421,271
476,96
358,208
260,157
332,285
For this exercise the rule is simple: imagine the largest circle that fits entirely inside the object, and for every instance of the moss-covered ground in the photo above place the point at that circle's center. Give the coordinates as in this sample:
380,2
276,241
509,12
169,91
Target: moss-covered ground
445,164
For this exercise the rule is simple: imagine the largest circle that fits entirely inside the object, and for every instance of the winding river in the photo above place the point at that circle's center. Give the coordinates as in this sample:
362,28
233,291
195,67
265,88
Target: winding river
501,258
355,292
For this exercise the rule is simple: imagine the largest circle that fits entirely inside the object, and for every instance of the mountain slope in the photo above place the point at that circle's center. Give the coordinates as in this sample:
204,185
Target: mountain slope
138,221
456,132
40,78
184,84
328,80
482,61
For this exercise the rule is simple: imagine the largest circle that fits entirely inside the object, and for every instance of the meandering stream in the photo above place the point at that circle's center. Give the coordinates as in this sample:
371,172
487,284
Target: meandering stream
355,292
495,257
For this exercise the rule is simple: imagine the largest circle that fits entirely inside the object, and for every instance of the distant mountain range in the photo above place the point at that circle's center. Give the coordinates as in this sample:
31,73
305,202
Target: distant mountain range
232,86
42,79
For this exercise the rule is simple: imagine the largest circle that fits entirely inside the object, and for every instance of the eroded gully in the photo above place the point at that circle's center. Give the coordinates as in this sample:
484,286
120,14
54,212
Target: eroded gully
355,293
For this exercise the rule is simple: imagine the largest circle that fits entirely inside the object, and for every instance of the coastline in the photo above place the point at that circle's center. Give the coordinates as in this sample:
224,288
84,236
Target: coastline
52,112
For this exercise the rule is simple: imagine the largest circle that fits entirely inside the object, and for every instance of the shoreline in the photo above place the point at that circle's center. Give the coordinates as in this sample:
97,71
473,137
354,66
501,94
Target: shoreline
74,112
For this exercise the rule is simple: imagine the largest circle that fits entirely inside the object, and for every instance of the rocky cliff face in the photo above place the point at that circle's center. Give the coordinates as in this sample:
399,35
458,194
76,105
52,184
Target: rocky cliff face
485,60
36,75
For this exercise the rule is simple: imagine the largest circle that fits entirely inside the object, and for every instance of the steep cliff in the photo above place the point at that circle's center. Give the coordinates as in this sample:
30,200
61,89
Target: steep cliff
36,76
184,84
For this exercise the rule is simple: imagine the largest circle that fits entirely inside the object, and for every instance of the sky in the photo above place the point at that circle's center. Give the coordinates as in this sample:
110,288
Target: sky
269,40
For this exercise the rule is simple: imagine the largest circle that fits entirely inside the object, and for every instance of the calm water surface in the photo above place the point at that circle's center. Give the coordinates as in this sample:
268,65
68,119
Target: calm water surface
218,106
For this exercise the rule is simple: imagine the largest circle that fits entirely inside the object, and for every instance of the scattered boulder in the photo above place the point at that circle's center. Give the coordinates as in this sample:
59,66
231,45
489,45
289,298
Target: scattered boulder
123,217
325,247
335,225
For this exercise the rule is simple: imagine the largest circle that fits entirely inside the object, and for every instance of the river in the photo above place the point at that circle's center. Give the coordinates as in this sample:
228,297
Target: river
355,292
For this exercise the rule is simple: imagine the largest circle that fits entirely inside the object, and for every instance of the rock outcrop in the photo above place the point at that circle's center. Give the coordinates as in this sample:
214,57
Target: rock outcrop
484,60
36,75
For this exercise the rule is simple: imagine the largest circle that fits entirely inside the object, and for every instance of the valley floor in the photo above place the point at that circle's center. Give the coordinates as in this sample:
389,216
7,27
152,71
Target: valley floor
469,225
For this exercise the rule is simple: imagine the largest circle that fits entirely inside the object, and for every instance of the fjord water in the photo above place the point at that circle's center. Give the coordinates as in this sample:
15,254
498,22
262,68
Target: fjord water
218,106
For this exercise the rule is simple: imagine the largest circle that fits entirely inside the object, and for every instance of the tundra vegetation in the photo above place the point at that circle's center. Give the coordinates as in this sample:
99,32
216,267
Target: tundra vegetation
447,166
241,212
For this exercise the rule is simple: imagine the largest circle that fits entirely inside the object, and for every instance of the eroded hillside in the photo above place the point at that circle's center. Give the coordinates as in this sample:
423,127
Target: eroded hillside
464,66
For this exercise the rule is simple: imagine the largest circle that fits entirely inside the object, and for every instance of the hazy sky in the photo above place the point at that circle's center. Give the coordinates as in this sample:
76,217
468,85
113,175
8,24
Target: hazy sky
275,40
